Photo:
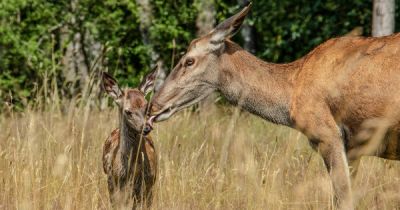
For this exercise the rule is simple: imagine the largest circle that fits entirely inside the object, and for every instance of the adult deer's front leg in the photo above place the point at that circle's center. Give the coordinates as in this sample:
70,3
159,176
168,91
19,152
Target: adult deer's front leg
321,129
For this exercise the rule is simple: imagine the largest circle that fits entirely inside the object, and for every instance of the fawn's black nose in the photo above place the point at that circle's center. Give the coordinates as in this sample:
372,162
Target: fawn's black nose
147,129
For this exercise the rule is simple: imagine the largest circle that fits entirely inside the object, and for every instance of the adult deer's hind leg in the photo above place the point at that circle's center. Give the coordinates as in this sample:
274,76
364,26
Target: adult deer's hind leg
321,129
336,163
392,146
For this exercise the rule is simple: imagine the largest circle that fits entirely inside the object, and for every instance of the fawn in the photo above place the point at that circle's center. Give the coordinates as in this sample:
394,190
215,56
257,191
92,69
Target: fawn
129,157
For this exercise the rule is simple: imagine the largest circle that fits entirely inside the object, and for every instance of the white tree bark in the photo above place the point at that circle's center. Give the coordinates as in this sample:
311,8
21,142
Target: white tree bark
205,22
75,63
206,17
383,17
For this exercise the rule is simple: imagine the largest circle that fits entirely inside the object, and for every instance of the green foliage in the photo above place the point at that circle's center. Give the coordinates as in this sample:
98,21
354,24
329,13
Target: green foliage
288,29
175,22
31,47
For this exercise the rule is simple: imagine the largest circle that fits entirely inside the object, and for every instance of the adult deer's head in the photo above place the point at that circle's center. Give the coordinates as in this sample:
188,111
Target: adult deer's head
131,102
197,73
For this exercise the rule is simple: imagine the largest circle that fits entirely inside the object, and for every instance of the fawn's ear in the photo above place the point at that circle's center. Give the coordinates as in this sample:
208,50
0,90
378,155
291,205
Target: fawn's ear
229,27
147,84
111,87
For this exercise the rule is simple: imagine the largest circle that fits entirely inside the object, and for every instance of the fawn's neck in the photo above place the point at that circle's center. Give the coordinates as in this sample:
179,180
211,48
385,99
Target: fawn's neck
261,88
130,138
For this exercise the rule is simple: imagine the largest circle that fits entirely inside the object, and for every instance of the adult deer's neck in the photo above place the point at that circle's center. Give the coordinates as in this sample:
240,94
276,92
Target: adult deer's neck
261,88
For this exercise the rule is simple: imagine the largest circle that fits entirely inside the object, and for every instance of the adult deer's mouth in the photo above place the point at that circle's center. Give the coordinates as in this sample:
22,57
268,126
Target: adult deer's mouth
164,114
161,116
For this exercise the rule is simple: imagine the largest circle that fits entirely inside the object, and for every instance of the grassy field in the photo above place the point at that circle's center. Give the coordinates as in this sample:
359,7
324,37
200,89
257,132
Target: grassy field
216,158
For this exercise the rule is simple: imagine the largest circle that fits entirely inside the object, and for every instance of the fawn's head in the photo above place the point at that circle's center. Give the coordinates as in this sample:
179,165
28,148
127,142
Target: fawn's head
131,101
197,74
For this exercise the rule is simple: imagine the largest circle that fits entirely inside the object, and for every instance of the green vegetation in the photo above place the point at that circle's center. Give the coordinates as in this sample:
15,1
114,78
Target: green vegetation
35,36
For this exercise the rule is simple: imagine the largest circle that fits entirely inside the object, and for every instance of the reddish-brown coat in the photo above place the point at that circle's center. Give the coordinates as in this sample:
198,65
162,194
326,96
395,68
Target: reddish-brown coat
344,95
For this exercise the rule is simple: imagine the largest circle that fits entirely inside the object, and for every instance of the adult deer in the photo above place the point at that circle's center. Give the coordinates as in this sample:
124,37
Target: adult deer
343,95
129,158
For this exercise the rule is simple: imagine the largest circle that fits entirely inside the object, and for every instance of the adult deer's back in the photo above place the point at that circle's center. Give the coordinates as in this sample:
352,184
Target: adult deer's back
358,80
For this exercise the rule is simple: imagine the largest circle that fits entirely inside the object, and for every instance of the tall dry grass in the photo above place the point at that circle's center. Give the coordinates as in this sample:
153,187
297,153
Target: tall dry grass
216,158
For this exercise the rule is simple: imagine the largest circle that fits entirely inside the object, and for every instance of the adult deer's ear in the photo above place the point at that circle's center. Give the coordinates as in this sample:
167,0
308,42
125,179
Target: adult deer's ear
229,27
110,86
147,84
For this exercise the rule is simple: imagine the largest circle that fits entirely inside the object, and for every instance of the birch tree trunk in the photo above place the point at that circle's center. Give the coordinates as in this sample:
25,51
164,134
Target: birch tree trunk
383,17
146,17
75,61
206,17
205,22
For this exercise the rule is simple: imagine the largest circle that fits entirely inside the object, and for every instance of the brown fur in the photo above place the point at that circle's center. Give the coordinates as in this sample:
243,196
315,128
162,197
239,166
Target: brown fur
129,157
344,95
140,180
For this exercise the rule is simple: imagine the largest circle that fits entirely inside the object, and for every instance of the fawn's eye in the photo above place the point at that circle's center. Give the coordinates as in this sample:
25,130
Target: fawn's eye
189,62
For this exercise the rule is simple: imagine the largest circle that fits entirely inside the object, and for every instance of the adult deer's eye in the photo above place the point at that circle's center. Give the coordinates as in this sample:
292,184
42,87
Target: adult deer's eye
189,62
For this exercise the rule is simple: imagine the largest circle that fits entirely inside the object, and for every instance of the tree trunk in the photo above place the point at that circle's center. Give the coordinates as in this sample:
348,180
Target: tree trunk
75,61
205,22
80,58
206,17
68,63
383,20
146,17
